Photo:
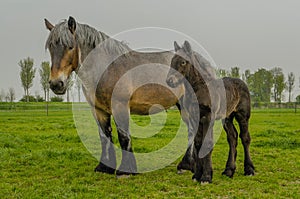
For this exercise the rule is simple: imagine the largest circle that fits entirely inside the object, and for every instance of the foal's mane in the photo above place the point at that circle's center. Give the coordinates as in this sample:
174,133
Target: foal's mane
86,36
200,63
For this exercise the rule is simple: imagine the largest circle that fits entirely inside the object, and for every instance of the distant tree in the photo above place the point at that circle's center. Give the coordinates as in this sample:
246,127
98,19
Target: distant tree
221,73
2,95
11,94
56,99
246,76
260,84
278,83
45,76
27,74
298,99
290,84
235,72
30,98
78,86
70,83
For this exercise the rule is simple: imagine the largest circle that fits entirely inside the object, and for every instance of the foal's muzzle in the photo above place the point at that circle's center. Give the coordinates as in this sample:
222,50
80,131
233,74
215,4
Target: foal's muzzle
172,81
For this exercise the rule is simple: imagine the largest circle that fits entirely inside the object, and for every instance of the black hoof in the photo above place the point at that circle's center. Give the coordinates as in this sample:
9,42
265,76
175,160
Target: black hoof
104,169
203,179
229,172
185,166
249,171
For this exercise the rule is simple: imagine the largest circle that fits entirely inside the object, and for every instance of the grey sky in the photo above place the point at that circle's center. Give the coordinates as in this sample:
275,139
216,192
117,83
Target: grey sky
248,34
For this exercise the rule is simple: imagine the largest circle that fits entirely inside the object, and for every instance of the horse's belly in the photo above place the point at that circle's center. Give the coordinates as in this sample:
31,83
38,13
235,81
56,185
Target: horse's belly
151,99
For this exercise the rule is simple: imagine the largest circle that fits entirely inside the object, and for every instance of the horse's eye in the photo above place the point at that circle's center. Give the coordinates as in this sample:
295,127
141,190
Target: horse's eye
183,63
71,48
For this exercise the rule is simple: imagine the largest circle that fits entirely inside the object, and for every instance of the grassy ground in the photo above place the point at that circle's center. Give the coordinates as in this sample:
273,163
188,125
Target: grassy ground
43,157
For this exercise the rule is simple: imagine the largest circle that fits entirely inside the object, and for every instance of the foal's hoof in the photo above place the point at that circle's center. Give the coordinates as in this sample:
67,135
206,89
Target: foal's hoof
229,172
104,169
123,175
203,180
182,167
249,171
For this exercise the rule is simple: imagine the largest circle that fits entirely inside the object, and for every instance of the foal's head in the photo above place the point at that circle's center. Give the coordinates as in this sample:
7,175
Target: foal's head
181,65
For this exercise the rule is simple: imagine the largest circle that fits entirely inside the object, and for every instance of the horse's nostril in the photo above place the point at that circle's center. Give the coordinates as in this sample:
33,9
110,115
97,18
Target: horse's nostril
60,84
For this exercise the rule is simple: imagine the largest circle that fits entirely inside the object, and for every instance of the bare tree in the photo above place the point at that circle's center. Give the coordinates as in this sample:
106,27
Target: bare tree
78,86
290,84
45,76
70,83
27,74
11,94
235,72
2,95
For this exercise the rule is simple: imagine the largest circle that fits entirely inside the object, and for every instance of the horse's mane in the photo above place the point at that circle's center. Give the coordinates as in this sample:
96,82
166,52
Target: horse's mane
86,36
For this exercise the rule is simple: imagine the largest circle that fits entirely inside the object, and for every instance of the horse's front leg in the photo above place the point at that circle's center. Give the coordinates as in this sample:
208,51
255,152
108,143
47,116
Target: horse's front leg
121,117
108,157
203,143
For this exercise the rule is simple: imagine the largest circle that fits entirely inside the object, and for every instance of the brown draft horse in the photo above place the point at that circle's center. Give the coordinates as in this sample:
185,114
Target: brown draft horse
226,99
70,44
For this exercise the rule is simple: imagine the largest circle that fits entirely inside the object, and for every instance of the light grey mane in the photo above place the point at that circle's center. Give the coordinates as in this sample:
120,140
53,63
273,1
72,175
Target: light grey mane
87,37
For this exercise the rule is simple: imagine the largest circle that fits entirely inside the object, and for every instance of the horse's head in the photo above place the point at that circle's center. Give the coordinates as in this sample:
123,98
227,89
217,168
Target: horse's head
180,65
64,52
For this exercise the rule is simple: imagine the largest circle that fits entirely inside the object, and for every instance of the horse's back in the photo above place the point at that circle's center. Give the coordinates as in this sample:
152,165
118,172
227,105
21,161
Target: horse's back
238,95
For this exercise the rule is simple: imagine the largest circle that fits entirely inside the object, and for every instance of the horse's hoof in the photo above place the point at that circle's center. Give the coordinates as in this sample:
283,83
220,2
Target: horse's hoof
104,169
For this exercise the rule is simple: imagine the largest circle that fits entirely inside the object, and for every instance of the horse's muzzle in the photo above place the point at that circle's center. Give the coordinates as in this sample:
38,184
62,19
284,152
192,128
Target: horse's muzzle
58,87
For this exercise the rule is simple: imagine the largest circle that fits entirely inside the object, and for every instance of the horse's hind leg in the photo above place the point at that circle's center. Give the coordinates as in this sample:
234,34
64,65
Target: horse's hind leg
232,141
108,157
243,121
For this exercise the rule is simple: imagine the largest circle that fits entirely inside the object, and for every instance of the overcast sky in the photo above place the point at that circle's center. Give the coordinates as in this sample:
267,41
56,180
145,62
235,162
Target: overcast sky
249,34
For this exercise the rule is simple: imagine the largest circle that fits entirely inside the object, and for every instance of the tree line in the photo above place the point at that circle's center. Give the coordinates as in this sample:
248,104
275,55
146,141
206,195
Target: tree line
27,75
264,85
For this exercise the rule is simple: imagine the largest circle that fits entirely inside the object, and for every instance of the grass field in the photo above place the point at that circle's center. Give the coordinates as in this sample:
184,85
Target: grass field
43,157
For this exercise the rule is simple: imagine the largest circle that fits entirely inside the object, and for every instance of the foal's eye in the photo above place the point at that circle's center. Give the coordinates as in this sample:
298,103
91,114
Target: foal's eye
183,63
71,48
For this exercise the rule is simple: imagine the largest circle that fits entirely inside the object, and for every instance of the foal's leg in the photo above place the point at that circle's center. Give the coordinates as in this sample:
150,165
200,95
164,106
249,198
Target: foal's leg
203,146
245,137
128,163
232,141
108,157
187,162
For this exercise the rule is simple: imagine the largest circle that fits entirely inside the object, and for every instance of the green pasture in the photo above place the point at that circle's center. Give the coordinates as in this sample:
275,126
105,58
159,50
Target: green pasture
43,157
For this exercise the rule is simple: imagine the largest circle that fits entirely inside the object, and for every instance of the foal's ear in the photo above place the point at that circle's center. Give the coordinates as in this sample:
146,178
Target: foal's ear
49,26
187,47
176,46
72,24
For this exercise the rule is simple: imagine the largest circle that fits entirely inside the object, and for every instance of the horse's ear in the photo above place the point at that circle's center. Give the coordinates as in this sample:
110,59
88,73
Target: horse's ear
187,47
49,26
72,24
176,46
